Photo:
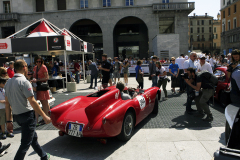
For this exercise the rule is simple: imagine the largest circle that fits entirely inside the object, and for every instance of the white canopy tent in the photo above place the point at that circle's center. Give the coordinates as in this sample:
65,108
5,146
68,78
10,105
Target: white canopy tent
47,39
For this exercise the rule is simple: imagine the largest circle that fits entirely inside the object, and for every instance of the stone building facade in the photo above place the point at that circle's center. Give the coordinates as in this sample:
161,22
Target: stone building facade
230,28
217,34
114,26
200,32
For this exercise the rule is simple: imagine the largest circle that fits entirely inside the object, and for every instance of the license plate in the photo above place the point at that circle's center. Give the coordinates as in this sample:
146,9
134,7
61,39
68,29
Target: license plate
75,129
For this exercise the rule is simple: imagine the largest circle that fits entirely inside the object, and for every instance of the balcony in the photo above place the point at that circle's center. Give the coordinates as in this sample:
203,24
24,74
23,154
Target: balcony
9,17
189,6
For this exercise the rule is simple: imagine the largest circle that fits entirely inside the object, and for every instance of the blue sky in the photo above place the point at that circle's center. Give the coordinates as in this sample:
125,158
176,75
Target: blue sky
211,7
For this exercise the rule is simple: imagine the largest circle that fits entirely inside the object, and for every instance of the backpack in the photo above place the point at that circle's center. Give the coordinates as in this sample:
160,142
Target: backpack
212,79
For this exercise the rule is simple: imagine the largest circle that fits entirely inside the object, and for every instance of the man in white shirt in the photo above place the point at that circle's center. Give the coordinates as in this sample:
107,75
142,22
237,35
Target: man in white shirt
180,61
203,65
193,64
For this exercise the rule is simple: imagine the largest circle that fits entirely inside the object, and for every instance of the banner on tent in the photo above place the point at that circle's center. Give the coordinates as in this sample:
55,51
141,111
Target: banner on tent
68,43
29,44
76,45
5,46
85,46
56,43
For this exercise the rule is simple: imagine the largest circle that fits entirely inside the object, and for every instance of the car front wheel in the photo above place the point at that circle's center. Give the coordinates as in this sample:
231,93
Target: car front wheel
127,127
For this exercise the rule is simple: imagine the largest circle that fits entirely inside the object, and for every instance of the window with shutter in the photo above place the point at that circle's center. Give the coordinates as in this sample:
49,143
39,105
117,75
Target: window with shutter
61,4
40,6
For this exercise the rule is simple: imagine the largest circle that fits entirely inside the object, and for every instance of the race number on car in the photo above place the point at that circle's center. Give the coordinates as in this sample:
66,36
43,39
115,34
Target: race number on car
142,101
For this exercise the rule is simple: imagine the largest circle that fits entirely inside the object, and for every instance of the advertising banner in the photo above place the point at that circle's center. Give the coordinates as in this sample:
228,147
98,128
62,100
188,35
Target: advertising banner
76,45
31,44
5,46
56,43
85,46
68,43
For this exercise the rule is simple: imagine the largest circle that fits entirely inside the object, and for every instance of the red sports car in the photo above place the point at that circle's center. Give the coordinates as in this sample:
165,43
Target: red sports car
223,85
104,113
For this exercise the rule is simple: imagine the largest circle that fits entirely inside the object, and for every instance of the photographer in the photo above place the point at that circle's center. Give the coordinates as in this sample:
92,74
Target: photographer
234,73
202,86
190,63
162,74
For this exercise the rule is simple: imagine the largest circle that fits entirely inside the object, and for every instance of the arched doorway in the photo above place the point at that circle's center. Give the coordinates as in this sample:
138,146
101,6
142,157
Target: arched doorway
89,31
130,38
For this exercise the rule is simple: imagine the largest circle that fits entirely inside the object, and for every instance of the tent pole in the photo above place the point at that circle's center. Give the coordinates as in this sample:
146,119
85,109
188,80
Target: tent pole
83,67
65,65
23,29
93,57
51,26
31,61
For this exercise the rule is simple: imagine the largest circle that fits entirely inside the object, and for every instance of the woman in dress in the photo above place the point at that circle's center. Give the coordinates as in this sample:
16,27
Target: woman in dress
125,71
41,75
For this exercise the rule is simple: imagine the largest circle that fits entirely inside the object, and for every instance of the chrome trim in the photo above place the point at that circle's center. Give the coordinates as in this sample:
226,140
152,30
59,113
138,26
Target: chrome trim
231,112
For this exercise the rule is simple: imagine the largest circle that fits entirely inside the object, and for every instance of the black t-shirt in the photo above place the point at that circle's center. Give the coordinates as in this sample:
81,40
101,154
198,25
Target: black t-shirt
205,83
106,65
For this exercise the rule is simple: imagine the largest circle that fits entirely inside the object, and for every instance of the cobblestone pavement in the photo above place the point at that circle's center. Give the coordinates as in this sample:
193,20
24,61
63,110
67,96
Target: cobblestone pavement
171,114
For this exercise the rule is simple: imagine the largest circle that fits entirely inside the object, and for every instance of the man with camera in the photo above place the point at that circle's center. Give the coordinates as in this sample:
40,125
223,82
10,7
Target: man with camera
203,92
190,63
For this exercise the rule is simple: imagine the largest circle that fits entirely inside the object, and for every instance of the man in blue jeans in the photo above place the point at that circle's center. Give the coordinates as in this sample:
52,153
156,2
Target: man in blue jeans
17,91
152,71
94,73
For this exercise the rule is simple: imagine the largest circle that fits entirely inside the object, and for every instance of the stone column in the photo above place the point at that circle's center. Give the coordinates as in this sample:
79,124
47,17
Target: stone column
107,31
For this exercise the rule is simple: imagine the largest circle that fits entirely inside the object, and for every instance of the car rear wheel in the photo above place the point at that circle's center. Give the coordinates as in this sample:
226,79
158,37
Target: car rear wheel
155,109
227,132
127,127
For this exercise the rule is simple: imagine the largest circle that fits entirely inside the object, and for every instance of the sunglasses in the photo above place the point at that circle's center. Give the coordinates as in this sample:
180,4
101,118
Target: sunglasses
39,61
173,59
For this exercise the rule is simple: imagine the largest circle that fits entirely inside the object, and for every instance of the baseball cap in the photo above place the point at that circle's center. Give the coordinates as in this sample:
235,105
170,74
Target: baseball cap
202,56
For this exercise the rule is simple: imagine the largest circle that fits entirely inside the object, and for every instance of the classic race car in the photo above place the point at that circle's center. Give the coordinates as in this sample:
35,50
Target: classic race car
104,113
223,85
232,135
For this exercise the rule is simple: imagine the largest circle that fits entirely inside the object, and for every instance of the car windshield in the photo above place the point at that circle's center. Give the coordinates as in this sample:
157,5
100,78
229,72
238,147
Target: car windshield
98,94
220,75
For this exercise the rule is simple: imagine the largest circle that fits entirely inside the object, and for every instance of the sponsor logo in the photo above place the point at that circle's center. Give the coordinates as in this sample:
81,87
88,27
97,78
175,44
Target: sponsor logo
3,45
55,40
56,47
68,43
142,101
85,46
29,89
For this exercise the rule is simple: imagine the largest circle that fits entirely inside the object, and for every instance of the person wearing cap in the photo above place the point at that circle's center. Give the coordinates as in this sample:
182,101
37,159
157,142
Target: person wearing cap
203,65
117,69
10,69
